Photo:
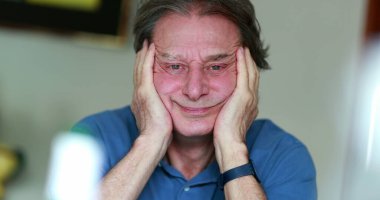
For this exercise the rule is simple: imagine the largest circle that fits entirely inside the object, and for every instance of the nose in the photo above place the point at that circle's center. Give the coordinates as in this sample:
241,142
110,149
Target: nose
196,84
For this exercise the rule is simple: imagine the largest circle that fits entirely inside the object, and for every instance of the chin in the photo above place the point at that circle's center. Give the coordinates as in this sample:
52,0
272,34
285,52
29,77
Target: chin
194,128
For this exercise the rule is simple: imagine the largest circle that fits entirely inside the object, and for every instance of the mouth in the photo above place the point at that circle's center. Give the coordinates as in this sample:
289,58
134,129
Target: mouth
196,111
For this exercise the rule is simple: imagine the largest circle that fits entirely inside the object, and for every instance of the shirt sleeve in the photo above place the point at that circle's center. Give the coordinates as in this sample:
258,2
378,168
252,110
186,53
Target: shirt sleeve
88,126
293,176
114,130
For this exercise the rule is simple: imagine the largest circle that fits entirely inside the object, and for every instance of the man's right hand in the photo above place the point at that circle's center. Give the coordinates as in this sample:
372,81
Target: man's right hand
151,115
127,179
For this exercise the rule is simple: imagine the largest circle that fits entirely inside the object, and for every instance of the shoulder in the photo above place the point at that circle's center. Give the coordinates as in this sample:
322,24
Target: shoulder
268,144
115,130
106,121
282,161
264,134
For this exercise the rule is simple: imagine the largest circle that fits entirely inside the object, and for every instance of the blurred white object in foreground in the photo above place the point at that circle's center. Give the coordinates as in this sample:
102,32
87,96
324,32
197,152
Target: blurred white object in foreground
362,172
74,171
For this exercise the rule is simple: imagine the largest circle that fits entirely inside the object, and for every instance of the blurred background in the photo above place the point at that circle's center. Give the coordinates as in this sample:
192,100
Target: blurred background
50,81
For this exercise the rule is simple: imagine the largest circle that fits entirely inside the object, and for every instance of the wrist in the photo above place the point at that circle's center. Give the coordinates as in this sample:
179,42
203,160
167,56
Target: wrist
231,155
151,143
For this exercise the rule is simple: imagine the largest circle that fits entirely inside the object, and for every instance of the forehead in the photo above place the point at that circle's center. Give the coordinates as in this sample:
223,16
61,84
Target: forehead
177,35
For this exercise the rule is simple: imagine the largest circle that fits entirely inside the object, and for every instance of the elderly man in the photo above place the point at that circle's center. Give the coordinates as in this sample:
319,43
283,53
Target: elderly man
189,133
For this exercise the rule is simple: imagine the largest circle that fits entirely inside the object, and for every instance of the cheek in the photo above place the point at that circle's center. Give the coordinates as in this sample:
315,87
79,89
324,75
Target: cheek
166,84
225,85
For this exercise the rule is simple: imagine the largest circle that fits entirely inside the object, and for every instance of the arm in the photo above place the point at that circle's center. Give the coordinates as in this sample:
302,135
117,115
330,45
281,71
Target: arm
127,179
231,126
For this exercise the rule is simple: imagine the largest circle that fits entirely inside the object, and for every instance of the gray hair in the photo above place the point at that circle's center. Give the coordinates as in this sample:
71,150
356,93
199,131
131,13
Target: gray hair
240,12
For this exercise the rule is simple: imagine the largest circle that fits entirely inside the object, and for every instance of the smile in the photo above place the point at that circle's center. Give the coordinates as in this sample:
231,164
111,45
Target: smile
195,111
198,111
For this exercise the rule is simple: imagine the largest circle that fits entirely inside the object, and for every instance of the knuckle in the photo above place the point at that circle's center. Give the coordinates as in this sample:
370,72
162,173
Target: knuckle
246,98
140,92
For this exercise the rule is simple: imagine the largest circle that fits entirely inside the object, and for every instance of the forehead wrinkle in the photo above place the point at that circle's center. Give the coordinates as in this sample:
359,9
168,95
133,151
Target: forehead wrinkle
223,55
218,57
169,56
209,58
213,55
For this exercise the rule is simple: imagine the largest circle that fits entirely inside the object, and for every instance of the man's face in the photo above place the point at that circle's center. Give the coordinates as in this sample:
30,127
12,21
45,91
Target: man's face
195,69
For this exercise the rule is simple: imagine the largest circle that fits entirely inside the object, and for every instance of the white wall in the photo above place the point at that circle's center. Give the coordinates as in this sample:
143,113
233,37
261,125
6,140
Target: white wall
47,83
314,55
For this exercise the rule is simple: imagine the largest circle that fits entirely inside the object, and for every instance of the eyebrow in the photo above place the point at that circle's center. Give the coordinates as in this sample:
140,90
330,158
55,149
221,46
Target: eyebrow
170,57
215,57
218,57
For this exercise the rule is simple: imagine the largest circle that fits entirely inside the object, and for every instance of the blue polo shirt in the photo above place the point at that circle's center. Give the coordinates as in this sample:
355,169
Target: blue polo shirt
283,164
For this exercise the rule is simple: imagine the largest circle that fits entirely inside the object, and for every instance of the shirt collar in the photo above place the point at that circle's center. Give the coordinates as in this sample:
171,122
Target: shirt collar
208,175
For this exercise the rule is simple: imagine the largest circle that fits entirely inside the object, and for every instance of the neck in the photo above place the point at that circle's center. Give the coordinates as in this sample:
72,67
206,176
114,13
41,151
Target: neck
190,155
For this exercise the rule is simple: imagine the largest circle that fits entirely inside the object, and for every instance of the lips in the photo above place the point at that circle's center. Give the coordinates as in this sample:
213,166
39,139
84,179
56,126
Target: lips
195,111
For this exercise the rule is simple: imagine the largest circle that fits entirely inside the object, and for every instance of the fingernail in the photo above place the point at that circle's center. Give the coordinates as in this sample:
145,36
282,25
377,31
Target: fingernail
248,50
240,50
145,44
151,46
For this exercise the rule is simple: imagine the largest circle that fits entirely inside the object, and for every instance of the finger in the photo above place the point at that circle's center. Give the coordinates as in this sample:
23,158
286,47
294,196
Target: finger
139,64
147,68
140,68
251,69
242,76
254,76
141,52
257,77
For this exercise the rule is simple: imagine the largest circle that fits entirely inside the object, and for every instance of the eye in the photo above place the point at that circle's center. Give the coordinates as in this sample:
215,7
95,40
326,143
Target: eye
175,67
216,67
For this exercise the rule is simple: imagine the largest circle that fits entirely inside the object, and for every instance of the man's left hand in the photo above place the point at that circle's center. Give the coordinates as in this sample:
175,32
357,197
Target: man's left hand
237,114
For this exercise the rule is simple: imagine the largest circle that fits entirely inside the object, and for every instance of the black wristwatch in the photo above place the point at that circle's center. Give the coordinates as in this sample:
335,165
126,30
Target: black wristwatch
237,172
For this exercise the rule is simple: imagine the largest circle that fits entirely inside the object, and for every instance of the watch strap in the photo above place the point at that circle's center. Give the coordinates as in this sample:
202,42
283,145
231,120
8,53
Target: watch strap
237,172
